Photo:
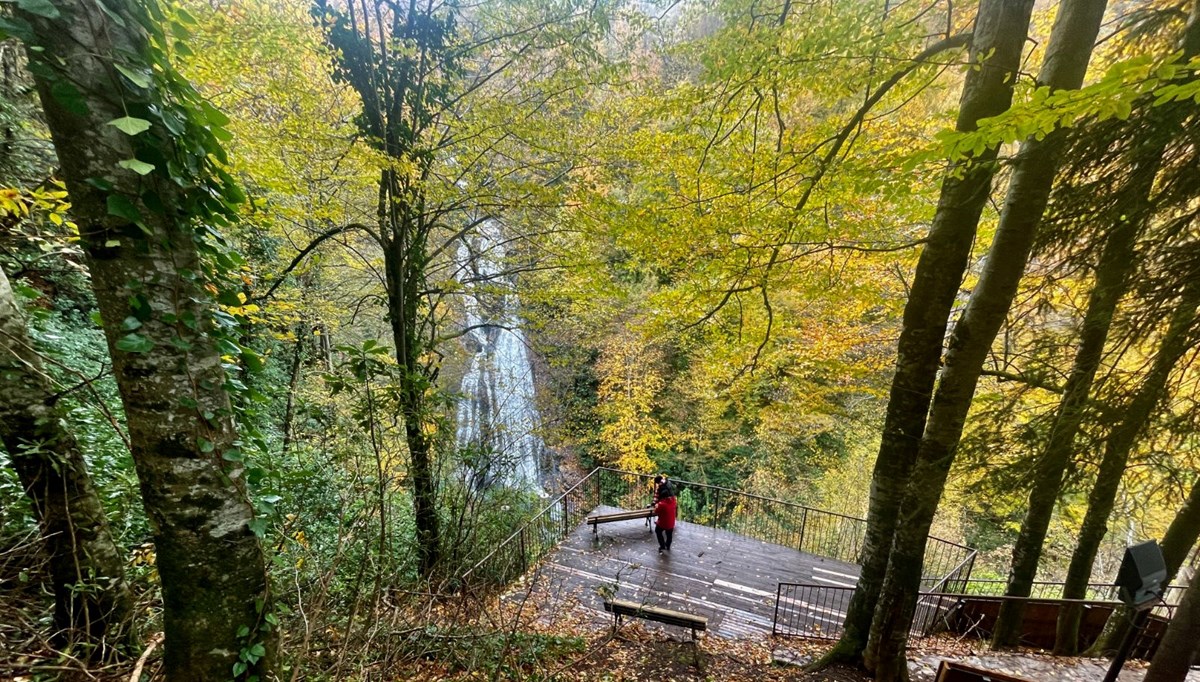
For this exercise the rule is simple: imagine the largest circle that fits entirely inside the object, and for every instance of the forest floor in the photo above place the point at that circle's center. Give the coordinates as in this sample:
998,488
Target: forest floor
636,653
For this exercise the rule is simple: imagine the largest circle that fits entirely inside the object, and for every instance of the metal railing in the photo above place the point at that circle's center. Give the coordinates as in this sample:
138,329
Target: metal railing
533,540
809,530
818,611
1047,589
810,611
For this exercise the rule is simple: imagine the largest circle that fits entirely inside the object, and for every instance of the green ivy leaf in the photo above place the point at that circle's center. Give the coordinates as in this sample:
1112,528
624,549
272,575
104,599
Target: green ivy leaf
239,667
42,8
206,445
16,27
259,528
130,125
139,78
139,167
123,207
130,323
134,343
69,97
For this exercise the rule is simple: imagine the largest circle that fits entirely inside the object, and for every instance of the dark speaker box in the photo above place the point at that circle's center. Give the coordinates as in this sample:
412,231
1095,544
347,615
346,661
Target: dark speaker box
1142,575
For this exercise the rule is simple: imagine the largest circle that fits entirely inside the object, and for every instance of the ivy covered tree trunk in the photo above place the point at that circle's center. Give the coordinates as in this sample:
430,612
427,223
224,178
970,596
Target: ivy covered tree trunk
1112,278
1176,543
116,109
996,48
1034,168
1176,342
92,602
1180,642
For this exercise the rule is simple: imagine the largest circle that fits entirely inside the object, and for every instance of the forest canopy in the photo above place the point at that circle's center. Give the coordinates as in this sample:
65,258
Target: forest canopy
310,309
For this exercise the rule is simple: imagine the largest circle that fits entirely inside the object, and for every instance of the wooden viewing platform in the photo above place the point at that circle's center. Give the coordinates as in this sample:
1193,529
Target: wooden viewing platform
728,578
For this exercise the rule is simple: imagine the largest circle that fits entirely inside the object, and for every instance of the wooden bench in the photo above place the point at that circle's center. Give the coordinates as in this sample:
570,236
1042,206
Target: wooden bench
957,672
598,519
620,608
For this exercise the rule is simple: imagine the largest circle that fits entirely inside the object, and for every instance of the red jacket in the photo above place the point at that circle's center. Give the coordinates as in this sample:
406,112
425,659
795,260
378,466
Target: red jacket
665,508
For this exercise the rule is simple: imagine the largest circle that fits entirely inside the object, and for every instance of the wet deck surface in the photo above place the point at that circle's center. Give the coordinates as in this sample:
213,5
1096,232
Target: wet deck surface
729,578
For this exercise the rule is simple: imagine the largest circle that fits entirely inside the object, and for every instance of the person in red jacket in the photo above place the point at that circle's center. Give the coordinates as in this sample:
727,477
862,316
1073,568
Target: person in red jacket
664,526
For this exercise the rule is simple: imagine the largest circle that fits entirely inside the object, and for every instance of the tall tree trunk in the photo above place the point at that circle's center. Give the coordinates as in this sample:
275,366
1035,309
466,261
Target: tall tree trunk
1176,342
92,602
1180,642
1176,543
406,267
987,91
147,275
398,110
1112,274
1034,168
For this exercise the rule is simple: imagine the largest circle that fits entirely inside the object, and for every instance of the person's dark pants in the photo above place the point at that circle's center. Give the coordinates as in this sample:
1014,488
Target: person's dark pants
664,536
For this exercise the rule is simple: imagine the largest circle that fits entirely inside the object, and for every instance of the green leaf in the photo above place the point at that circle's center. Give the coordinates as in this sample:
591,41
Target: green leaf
123,207
130,323
243,631
233,455
139,167
214,115
130,125
239,667
258,650
206,445
69,97
16,27
134,343
139,78
252,360
259,528
96,319
42,8
117,18
100,184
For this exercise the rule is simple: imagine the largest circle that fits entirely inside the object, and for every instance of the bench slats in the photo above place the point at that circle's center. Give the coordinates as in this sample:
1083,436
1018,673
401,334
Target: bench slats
620,516
626,608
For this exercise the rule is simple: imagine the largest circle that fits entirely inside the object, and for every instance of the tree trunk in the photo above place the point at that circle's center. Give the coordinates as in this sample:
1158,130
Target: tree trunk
996,46
1112,274
1070,47
397,112
147,276
92,602
1176,543
406,267
1180,642
1118,445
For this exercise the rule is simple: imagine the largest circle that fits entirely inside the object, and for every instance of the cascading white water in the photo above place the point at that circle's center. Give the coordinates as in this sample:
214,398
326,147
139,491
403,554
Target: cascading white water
497,417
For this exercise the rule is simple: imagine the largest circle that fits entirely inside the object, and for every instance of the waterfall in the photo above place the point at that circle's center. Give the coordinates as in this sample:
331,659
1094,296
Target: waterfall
497,417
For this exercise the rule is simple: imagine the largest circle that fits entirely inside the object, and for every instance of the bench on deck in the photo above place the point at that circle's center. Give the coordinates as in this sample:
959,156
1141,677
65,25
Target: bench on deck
595,521
619,608
957,672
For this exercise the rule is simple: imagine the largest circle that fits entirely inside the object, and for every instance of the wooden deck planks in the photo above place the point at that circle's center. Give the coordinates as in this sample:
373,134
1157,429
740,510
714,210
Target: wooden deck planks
728,578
